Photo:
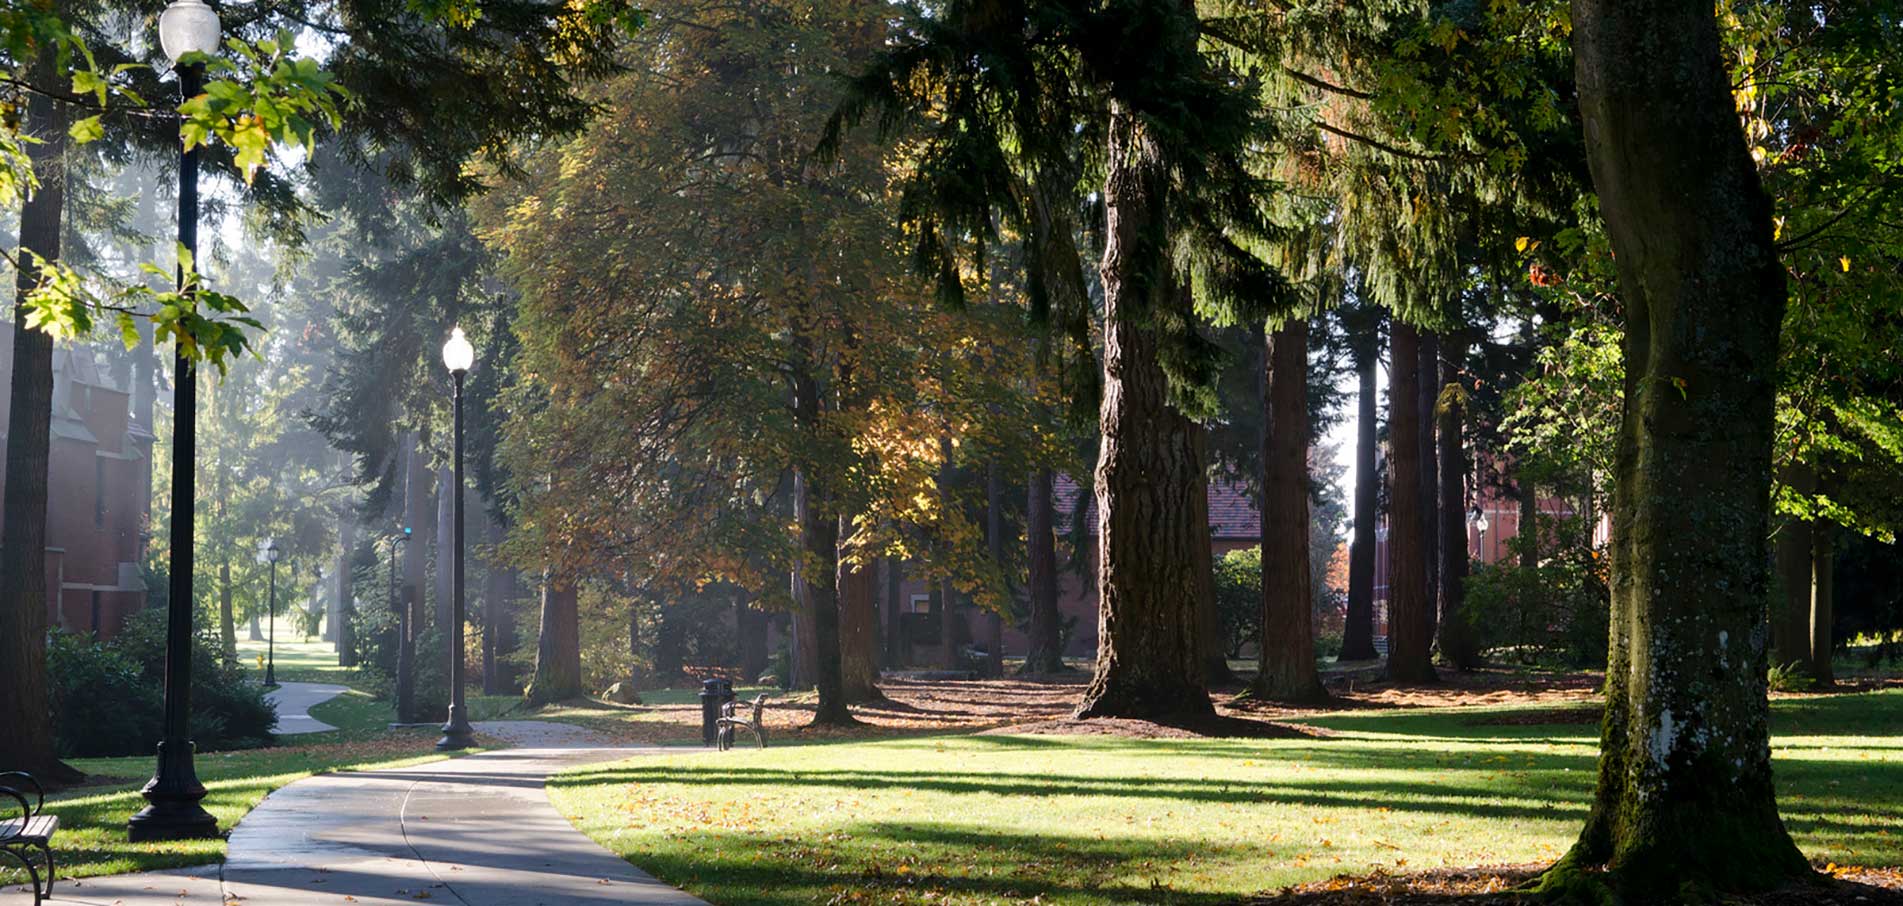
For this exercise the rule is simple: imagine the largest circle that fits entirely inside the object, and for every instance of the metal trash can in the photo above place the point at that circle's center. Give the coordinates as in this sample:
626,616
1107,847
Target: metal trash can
713,694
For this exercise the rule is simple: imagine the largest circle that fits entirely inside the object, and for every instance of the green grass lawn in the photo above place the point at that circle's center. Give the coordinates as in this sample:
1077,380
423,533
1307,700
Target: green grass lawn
299,660
1093,820
92,836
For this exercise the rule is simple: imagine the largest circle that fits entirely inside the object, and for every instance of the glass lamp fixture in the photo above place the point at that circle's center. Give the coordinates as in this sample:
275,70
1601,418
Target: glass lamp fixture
271,553
187,26
458,355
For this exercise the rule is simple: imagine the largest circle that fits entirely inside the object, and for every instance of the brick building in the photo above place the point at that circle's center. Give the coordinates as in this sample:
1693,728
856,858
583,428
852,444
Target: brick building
98,492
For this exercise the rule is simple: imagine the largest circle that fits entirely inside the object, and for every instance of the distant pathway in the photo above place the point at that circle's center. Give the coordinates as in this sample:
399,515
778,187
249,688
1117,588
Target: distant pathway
294,702
472,831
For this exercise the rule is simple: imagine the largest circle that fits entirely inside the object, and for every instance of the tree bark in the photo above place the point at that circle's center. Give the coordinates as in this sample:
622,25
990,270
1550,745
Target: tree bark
1045,653
27,743
1287,662
1457,645
895,629
345,605
1357,640
1149,663
1823,610
558,655
805,659
858,621
492,607
1685,803
1429,378
819,536
1410,609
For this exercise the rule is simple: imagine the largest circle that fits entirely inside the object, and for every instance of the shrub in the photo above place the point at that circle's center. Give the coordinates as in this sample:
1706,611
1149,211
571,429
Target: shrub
102,704
229,711
1560,609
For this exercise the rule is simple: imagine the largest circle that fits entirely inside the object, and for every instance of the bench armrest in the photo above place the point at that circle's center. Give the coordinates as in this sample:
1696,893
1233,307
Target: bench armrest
9,782
26,813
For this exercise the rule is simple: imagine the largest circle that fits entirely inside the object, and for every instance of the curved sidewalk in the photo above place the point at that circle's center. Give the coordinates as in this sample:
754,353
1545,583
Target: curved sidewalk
294,702
476,831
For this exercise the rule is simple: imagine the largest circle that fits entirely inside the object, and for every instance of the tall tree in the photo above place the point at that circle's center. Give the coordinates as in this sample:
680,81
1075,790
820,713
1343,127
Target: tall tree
1287,663
858,584
1045,654
1685,800
1457,643
28,741
1410,605
1364,331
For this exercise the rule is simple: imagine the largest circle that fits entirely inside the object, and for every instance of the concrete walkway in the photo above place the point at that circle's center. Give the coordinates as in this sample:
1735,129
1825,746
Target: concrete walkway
294,702
476,831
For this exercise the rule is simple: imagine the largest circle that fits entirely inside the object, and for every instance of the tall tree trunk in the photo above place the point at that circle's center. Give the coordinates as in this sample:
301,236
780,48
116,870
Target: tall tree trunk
491,605
857,588
1357,640
1823,610
1045,653
558,655
253,632
1791,607
1429,378
1685,802
805,659
632,676
1410,609
409,593
819,537
340,581
1457,645
1149,663
1287,662
345,607
895,628
227,628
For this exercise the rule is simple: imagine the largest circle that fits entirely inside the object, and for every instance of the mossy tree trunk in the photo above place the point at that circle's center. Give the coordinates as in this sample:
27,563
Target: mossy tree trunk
1457,646
1149,663
1287,662
558,656
1685,803
1410,608
1357,640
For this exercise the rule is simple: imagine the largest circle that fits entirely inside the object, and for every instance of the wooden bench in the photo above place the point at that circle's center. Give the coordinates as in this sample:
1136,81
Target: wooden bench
727,723
26,829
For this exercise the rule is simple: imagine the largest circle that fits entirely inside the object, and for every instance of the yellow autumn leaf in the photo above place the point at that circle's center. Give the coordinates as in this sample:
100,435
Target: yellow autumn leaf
1845,262
1520,244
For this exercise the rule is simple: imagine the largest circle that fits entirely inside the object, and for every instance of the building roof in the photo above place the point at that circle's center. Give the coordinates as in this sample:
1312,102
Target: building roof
1232,511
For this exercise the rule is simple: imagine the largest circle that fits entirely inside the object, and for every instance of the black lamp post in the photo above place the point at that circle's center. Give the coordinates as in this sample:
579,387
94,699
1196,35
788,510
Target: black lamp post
271,554
458,355
172,795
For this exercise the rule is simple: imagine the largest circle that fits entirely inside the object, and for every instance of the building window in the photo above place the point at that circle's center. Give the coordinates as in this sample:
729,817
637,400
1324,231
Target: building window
921,604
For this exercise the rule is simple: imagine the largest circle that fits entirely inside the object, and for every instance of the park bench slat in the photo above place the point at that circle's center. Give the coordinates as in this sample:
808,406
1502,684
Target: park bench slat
39,829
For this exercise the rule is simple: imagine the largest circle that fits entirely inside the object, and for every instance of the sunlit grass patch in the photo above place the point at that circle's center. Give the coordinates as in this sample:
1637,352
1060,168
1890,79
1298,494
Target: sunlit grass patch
1091,820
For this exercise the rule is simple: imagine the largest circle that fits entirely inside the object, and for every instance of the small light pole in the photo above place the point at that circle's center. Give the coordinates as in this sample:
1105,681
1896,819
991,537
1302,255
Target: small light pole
271,555
458,355
172,795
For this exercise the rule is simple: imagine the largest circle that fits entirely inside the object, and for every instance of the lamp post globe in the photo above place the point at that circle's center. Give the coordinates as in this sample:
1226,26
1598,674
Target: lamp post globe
172,810
187,26
458,356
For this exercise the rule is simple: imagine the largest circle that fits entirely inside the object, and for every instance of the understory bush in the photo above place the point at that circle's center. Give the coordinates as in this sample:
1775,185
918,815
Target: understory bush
1559,610
107,697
